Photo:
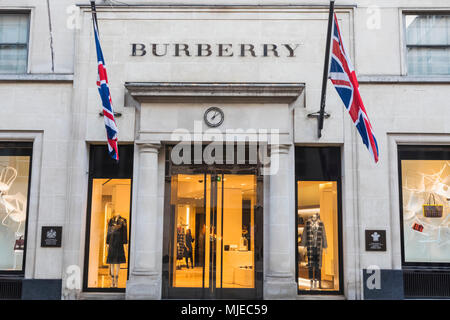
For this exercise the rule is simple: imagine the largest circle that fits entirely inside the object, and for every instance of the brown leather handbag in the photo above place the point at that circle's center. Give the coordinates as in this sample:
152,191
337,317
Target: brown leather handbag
19,244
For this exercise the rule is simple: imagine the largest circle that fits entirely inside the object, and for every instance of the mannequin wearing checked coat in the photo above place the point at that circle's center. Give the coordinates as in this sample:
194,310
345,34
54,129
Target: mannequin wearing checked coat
180,243
315,240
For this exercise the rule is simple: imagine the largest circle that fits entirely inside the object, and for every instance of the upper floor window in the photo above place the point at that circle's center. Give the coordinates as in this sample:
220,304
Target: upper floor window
428,44
14,29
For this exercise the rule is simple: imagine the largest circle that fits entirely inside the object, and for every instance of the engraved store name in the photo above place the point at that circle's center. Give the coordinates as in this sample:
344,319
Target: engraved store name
217,50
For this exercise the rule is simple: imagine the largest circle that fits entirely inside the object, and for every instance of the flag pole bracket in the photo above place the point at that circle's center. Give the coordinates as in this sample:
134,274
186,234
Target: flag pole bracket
317,114
116,114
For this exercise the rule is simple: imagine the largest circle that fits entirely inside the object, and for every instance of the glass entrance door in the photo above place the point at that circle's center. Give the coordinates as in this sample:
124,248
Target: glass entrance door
213,238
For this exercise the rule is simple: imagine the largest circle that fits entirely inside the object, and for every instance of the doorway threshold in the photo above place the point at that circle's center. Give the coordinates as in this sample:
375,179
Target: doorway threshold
320,297
102,296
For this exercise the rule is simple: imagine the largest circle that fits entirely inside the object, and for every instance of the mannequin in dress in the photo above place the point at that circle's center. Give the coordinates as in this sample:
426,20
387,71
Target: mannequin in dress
188,245
116,239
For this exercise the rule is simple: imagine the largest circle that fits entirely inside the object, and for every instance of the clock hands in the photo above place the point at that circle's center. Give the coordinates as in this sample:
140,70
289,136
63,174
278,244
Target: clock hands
213,117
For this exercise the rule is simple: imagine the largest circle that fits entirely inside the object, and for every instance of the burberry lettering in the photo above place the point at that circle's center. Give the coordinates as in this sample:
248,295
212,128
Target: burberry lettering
216,50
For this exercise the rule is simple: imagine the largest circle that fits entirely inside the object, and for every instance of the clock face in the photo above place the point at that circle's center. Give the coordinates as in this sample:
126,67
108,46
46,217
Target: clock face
214,117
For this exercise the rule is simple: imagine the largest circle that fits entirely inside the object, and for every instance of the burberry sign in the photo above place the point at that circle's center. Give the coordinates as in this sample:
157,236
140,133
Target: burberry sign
217,50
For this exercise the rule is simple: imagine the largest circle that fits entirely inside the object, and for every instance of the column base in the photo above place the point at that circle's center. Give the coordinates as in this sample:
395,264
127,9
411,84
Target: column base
280,288
143,288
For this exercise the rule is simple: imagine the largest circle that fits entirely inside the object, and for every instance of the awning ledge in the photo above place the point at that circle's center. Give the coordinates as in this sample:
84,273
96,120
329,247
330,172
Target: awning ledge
260,92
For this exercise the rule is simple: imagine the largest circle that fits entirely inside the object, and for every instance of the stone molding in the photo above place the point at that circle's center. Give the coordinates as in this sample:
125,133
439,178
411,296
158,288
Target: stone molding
200,4
280,148
394,79
147,146
37,77
155,91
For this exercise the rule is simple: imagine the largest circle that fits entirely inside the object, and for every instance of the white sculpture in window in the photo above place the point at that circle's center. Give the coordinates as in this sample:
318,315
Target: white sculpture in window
7,177
16,208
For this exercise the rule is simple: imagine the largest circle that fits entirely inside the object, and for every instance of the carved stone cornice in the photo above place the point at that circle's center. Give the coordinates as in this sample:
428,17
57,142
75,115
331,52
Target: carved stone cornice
157,91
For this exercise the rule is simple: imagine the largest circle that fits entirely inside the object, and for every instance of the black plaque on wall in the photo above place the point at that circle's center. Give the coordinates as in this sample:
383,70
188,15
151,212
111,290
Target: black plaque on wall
51,237
375,240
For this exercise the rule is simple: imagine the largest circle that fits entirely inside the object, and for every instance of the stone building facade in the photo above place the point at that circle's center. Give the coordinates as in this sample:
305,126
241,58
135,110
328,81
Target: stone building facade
258,65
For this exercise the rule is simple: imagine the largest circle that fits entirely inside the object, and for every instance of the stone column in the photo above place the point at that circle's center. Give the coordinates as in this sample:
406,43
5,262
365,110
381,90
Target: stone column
145,275
280,279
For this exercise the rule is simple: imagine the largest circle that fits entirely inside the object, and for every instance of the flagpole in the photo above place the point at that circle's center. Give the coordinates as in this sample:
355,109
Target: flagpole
94,14
326,70
102,83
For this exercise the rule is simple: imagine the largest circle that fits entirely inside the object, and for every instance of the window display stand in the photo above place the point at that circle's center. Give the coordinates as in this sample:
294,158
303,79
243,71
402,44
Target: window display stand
18,258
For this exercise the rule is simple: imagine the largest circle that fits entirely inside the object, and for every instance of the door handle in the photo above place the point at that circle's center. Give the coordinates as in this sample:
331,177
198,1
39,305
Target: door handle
212,234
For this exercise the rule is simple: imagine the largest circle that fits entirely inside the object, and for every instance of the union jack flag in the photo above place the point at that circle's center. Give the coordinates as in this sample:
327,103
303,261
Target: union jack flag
343,76
103,89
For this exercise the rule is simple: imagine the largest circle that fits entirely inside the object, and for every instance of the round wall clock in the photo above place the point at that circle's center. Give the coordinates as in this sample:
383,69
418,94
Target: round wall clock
213,117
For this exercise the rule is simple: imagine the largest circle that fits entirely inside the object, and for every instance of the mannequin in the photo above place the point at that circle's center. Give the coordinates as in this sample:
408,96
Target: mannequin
180,245
188,248
116,239
315,240
243,244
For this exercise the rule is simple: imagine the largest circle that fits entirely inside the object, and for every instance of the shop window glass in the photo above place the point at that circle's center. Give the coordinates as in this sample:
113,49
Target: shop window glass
318,243
428,44
15,162
108,220
318,250
221,209
14,30
425,188
108,249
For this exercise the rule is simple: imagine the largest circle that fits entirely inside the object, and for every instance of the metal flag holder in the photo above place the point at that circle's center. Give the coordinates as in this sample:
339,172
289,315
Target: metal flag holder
321,114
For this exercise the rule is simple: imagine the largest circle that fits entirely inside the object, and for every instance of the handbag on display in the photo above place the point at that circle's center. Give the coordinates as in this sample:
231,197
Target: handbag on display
432,210
19,244
417,227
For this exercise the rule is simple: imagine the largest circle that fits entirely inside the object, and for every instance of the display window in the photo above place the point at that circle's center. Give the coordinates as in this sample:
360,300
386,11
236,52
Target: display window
15,170
108,221
319,262
425,204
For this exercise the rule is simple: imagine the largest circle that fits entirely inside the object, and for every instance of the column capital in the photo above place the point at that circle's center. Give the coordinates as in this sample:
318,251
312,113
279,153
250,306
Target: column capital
280,148
148,146
288,276
144,272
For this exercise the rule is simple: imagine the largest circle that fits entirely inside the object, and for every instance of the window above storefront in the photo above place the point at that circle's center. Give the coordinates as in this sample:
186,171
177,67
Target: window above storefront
428,44
14,35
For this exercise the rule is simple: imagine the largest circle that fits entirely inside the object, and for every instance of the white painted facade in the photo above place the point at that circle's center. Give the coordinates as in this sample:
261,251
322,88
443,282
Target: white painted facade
56,105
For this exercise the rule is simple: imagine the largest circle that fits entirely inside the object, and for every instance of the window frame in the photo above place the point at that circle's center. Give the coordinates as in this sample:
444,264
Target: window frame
27,44
119,171
335,174
24,145
421,149
406,46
